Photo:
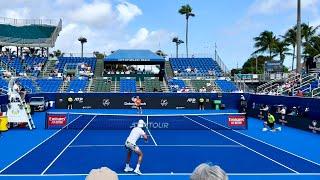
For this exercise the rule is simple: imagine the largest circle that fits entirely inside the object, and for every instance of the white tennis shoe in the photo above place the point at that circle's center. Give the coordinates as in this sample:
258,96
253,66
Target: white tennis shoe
128,169
137,171
264,129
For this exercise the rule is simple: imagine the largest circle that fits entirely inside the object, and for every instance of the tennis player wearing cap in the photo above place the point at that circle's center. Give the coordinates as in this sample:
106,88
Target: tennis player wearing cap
131,145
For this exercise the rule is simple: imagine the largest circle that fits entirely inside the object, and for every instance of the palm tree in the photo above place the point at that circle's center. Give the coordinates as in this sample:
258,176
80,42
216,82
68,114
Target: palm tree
313,47
265,42
307,32
187,11
178,42
282,49
82,41
291,38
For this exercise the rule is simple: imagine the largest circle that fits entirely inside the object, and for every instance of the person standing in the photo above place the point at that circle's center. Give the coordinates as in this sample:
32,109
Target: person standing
130,144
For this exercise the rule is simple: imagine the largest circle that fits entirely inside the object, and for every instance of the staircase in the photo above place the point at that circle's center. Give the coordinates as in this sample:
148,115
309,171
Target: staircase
99,68
168,69
115,87
64,86
49,66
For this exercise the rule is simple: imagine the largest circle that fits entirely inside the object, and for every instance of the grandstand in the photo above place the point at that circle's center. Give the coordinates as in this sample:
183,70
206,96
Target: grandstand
29,33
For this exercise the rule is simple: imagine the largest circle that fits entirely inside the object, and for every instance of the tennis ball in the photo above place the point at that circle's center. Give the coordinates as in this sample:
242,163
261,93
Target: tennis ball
171,172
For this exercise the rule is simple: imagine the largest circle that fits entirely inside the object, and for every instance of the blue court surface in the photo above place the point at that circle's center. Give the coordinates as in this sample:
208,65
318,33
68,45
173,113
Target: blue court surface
168,154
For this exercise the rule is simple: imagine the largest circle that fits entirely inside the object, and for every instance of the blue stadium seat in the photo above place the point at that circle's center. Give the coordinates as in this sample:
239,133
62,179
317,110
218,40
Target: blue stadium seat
77,84
3,84
33,61
128,85
203,66
91,61
27,84
176,84
49,85
226,86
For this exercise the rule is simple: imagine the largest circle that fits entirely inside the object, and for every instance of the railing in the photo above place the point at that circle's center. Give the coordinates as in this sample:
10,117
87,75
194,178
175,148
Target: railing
315,92
241,84
304,81
23,22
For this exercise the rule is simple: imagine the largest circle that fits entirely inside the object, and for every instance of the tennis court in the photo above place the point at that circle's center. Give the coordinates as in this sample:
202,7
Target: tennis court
177,144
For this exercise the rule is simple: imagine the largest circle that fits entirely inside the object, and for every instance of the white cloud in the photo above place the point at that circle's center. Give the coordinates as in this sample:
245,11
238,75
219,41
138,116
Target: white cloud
277,6
18,13
105,23
95,14
127,11
150,39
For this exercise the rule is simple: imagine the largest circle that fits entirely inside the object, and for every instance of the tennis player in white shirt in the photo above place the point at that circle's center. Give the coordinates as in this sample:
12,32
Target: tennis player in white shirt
136,133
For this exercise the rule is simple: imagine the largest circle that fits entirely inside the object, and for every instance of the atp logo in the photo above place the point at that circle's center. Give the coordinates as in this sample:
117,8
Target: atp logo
164,102
106,102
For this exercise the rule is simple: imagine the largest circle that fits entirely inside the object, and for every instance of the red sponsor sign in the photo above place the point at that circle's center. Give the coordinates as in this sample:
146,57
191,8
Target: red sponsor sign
236,121
57,120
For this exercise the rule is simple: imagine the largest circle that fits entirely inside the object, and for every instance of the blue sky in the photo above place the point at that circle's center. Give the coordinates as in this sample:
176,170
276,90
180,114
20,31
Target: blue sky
151,24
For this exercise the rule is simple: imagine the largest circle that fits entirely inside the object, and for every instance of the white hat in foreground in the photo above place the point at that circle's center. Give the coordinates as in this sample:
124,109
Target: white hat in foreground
102,174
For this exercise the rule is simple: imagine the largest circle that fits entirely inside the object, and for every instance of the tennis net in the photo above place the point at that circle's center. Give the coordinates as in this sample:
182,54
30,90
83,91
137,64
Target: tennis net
93,121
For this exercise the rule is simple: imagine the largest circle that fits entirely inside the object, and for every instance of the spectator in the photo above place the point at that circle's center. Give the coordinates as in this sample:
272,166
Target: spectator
207,172
299,93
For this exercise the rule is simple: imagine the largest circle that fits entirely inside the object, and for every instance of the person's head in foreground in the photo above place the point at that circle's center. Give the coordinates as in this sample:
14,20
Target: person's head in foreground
102,174
141,123
207,172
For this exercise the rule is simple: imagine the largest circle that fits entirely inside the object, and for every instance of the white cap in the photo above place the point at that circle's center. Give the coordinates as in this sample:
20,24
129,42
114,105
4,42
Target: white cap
141,123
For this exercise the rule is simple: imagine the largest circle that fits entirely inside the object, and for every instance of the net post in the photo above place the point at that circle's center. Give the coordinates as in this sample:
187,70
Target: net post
147,121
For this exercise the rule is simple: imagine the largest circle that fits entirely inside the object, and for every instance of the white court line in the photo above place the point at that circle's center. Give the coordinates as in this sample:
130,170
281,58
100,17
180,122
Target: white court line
264,142
164,145
163,174
67,145
38,145
243,145
154,141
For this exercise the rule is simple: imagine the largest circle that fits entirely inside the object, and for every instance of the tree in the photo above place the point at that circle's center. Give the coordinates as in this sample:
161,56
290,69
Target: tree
187,11
313,47
291,38
265,42
58,53
178,42
281,48
82,41
161,53
307,32
99,55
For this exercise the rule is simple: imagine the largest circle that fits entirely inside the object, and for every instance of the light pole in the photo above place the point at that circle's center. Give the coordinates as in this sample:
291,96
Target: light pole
178,42
82,41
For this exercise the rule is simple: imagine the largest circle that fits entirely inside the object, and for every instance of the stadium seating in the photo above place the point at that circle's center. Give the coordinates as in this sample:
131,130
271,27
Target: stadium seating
176,84
49,85
198,84
128,85
26,32
3,84
75,60
151,84
32,62
203,66
27,84
77,85
226,86
14,63
102,85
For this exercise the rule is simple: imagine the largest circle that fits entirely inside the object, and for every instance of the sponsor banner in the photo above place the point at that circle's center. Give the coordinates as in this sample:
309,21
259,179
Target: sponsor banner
56,120
237,121
125,101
